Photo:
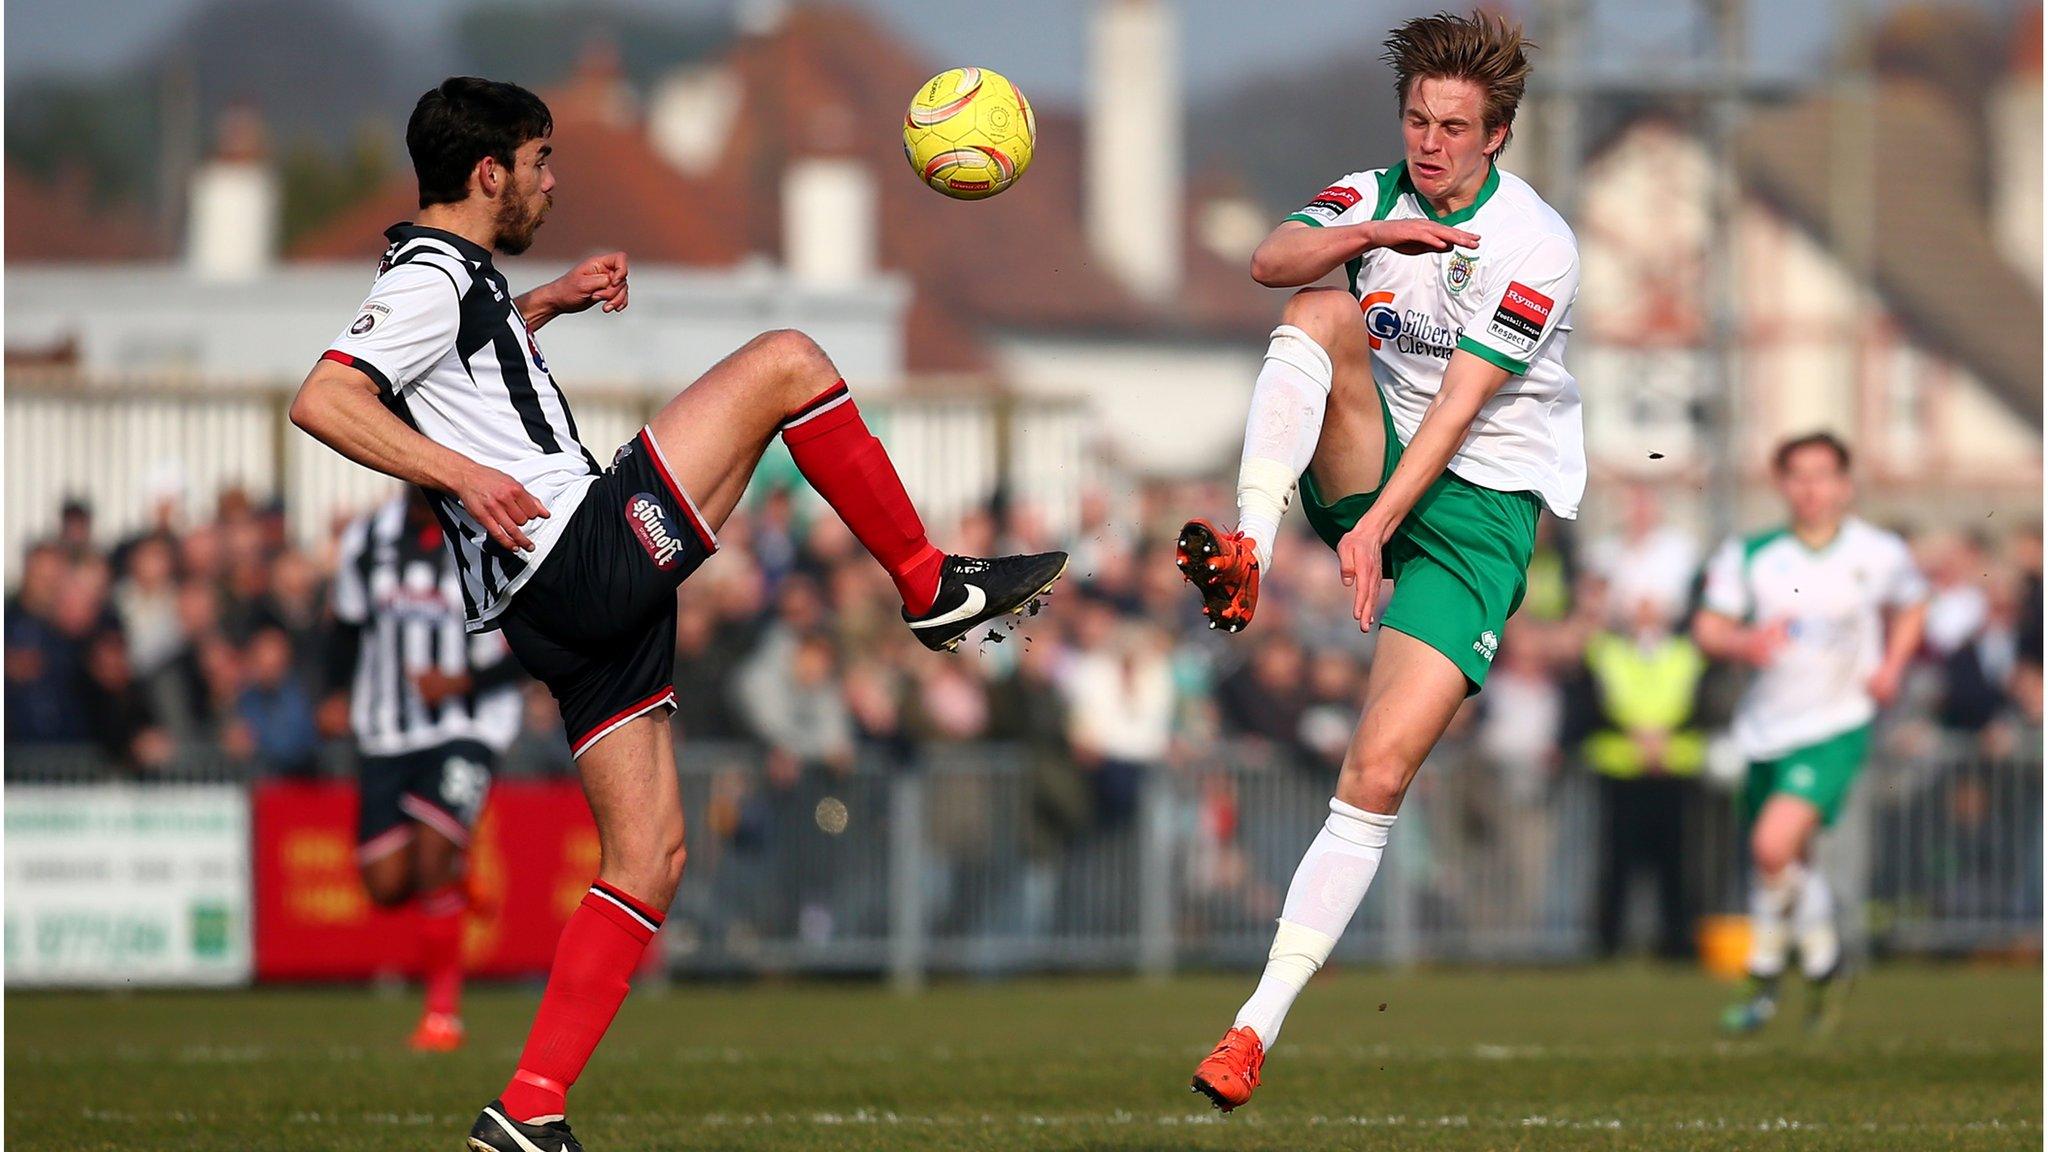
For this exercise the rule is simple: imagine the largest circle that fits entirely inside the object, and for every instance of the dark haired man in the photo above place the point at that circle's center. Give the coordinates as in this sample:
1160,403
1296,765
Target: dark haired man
438,381
1829,610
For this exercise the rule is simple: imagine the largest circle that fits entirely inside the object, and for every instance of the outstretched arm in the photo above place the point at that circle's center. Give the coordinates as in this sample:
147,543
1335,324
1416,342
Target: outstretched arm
1295,253
340,406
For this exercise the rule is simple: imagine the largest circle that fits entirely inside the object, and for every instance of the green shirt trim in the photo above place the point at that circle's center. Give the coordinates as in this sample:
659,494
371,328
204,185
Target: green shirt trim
1751,545
1486,191
1392,181
1493,356
1305,218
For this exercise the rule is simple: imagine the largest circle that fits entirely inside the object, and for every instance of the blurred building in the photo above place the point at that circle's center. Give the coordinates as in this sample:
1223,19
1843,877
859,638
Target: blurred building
1890,279
1889,287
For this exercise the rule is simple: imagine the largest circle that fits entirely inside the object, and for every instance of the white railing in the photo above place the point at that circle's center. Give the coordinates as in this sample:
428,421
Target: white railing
123,446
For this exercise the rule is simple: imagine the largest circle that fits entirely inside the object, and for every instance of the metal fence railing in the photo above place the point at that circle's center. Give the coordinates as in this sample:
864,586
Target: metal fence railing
966,864
979,859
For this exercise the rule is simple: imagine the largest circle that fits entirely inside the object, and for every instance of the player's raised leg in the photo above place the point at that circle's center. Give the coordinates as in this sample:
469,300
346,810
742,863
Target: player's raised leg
712,436
1314,400
629,777
1412,693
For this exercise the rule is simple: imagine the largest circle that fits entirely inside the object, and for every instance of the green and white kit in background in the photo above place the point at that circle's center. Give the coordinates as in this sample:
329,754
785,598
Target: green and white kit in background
1459,561
1800,722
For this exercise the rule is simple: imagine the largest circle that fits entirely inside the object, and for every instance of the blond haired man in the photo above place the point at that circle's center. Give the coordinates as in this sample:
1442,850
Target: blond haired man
1425,412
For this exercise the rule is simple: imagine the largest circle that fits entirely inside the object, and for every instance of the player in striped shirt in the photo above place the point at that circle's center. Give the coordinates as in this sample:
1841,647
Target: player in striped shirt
432,709
439,381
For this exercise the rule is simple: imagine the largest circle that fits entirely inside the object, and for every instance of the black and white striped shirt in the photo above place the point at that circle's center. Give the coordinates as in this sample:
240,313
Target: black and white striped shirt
455,360
397,589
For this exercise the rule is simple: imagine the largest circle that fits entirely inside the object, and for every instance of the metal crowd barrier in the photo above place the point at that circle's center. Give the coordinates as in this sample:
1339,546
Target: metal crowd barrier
990,859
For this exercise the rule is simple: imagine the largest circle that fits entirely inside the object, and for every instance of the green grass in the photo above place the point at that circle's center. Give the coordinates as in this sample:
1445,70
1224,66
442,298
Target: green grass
1616,1058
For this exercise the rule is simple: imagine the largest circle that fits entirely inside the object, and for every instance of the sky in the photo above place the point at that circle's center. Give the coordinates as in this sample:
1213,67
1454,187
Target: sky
1038,42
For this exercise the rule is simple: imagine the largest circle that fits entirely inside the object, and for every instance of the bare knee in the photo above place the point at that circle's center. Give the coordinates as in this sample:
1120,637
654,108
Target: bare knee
1323,313
438,873
387,888
1771,854
649,869
794,360
1374,783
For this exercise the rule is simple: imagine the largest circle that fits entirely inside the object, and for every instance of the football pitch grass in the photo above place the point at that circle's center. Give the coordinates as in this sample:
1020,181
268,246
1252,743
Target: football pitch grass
1602,1058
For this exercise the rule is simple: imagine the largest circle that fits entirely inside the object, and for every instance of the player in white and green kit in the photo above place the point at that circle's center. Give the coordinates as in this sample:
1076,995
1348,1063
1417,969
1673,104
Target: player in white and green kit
1425,411
1828,609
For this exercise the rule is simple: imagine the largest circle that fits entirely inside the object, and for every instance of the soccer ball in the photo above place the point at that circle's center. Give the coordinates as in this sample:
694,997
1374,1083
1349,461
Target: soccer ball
969,133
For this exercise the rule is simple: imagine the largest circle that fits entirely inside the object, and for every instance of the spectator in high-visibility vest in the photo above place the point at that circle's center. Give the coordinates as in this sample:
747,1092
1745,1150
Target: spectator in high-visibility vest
1647,749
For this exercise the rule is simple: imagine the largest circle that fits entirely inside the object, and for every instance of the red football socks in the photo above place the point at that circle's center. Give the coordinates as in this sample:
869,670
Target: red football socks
851,470
441,947
599,950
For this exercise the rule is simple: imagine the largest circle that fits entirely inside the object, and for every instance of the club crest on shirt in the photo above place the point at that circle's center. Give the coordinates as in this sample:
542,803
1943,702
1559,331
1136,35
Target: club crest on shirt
1458,272
372,312
533,346
650,524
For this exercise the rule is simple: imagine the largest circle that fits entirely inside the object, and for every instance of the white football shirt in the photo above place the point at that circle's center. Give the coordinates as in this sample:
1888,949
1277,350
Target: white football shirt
1832,601
453,358
1508,302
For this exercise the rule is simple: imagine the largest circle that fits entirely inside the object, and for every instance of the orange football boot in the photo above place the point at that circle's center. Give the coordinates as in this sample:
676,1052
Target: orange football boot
437,1032
1224,568
1228,1074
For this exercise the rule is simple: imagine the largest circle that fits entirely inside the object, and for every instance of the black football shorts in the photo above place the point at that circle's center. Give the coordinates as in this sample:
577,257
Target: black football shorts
442,787
597,622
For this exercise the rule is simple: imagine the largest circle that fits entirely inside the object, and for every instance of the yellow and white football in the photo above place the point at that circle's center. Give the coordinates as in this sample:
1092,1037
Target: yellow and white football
969,133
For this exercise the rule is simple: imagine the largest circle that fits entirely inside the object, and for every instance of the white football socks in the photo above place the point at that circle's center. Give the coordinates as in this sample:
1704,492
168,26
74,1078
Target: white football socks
1813,927
1280,433
1770,907
1325,893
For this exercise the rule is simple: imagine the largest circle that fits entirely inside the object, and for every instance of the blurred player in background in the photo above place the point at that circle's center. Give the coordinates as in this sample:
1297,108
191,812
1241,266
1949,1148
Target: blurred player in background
439,381
1426,413
1829,610
431,708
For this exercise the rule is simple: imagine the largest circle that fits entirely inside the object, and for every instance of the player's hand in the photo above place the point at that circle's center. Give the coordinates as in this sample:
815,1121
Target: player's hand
1883,685
1762,644
501,504
330,719
1416,237
1358,559
598,280
435,686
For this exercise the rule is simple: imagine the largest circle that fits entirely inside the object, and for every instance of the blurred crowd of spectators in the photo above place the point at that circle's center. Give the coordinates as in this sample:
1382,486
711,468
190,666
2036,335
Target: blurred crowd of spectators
208,640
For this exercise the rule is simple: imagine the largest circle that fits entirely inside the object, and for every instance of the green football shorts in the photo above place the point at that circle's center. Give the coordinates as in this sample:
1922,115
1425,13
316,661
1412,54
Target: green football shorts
1820,774
1459,562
